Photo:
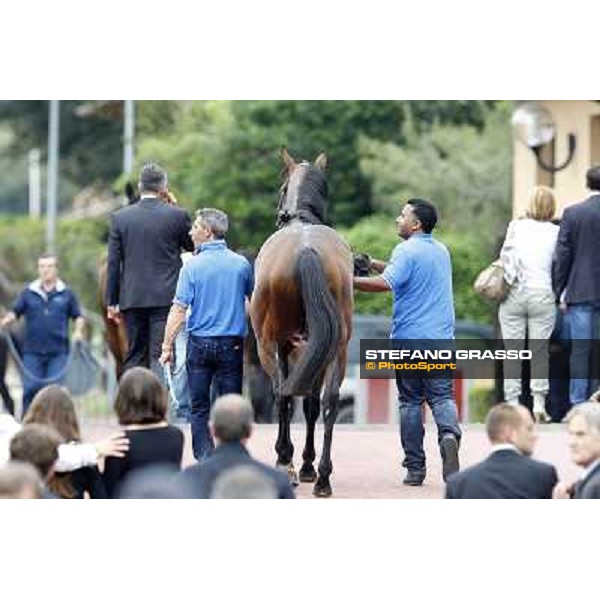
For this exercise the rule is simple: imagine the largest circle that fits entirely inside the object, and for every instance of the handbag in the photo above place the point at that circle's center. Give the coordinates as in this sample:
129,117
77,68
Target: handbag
490,283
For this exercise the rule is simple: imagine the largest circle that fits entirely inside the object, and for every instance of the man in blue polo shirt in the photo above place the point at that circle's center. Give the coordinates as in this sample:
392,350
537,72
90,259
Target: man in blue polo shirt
214,284
419,274
47,305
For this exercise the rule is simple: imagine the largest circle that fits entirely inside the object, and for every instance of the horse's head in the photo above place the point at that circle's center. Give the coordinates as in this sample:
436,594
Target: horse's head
304,191
131,193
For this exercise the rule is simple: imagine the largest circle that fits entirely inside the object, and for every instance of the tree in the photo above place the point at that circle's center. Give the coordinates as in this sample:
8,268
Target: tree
464,169
226,154
90,146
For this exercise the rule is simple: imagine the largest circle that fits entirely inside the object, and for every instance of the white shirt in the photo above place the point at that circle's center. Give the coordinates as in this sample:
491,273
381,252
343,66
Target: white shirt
498,447
527,253
71,456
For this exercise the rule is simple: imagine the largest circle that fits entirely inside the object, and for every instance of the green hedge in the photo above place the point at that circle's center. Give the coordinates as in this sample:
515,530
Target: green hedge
481,401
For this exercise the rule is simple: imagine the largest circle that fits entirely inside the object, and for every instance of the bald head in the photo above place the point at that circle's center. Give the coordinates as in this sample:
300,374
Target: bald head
509,424
231,418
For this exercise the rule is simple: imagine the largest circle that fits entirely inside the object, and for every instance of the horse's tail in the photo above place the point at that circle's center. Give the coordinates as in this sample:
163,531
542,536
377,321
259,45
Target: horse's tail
322,323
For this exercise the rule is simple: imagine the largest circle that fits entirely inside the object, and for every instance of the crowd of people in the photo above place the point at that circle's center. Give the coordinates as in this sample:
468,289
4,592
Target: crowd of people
190,319
46,458
549,268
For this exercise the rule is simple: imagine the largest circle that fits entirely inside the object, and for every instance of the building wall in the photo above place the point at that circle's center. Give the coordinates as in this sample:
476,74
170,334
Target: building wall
581,117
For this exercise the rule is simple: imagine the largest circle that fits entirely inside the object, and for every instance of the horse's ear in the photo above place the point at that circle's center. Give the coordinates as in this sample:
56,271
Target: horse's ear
321,161
287,158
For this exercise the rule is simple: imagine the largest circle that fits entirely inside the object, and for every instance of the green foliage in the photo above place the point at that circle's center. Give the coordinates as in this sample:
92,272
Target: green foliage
469,256
465,170
81,244
481,400
377,237
226,154
90,146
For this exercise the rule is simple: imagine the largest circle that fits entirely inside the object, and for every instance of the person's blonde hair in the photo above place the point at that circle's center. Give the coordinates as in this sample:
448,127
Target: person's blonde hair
542,203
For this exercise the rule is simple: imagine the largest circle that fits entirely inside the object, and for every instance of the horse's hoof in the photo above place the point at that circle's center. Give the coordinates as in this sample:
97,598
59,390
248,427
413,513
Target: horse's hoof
308,474
322,489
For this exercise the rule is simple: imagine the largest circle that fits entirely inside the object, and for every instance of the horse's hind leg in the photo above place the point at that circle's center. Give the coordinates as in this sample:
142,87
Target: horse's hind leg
331,397
312,407
283,445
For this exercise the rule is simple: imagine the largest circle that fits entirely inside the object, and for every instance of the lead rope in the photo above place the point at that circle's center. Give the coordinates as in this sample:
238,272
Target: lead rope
27,373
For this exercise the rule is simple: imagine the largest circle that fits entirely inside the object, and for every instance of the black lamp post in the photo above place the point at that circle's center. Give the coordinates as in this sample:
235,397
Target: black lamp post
534,126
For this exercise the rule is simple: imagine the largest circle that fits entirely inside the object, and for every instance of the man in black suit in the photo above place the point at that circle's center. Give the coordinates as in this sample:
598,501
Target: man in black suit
231,422
144,247
508,472
576,274
584,443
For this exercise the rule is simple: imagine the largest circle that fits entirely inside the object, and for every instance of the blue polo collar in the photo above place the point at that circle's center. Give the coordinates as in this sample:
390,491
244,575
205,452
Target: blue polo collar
212,245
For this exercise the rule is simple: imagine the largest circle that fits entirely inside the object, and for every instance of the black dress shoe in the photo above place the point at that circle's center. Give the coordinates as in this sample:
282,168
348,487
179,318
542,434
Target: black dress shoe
414,478
449,450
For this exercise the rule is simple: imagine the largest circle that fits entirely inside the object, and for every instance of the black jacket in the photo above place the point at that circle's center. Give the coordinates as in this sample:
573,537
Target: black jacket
576,263
144,247
589,487
199,479
504,474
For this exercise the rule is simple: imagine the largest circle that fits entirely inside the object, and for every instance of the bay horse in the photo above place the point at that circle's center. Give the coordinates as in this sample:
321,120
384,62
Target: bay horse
301,311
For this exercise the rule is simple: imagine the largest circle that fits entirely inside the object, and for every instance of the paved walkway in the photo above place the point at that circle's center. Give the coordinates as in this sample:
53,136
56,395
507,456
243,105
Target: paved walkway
367,460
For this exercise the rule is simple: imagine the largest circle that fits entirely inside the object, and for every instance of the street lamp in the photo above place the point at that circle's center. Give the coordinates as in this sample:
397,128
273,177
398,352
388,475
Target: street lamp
534,125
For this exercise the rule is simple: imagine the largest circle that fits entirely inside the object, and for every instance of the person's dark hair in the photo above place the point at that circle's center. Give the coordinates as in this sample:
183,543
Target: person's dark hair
501,418
152,178
36,445
231,417
20,480
426,212
53,406
141,398
592,178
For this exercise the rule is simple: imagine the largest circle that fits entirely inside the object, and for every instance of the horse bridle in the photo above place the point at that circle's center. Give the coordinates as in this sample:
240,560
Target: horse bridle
283,216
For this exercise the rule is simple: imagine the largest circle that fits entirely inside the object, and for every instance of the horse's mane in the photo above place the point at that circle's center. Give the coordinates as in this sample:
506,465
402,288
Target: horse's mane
312,198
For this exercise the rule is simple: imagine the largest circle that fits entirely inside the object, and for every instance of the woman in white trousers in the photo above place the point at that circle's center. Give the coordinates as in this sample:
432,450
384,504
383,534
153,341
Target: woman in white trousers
530,306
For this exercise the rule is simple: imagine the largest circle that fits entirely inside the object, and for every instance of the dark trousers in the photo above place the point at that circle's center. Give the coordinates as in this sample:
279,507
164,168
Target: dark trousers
145,331
6,397
44,369
412,393
211,358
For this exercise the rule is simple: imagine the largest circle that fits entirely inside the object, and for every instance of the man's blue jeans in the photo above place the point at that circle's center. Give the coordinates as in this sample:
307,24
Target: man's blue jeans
582,321
208,358
40,366
438,394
